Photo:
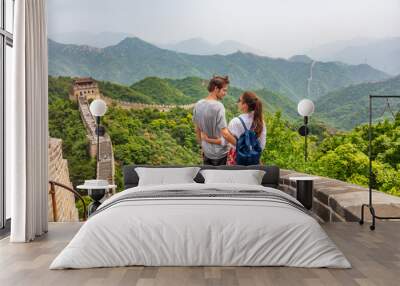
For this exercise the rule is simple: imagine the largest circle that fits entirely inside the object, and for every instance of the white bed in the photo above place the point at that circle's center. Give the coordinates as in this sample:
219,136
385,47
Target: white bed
207,230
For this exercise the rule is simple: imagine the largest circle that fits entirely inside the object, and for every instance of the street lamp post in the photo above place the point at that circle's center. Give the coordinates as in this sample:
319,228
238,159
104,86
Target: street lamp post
98,108
305,108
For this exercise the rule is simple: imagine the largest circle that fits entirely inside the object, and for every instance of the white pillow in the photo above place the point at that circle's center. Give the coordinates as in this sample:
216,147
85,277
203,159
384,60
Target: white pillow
248,177
166,176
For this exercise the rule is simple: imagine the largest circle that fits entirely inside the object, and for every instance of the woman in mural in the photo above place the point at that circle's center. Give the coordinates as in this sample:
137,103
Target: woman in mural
251,116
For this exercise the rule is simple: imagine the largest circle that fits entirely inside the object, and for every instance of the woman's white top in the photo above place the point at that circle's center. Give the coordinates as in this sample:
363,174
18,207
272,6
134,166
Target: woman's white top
237,129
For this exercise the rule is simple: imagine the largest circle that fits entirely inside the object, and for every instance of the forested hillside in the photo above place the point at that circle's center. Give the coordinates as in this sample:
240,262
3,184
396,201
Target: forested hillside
348,107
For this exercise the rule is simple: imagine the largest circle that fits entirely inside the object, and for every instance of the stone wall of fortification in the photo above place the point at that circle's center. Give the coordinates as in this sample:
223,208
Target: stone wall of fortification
338,201
58,171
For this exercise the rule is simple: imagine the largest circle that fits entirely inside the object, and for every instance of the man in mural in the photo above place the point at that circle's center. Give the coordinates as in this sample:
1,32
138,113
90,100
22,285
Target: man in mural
209,118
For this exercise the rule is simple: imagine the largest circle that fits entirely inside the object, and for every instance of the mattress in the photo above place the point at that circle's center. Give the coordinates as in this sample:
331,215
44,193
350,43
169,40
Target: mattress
201,225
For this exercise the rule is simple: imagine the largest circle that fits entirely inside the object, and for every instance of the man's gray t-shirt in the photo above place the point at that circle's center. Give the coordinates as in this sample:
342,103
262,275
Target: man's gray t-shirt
209,116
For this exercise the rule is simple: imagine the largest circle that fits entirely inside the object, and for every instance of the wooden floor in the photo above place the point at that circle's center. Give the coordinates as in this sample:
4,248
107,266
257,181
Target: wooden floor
375,257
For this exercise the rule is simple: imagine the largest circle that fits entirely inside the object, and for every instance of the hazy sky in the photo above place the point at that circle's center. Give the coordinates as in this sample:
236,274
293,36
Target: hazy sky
277,27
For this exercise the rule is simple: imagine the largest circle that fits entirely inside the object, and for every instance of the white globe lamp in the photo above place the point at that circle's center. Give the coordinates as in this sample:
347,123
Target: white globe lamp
305,108
98,108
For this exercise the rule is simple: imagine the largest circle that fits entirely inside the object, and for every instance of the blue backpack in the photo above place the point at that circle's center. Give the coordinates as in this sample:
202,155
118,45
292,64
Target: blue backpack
248,149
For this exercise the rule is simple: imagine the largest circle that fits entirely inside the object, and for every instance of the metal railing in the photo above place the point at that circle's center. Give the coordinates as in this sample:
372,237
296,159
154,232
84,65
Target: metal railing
52,192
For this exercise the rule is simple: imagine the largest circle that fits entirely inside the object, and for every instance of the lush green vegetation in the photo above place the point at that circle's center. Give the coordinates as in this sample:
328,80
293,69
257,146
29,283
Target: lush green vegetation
161,91
194,87
342,156
151,137
122,92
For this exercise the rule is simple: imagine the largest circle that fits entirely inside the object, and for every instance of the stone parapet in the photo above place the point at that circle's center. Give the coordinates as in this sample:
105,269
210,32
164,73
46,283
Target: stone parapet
58,171
335,201
135,105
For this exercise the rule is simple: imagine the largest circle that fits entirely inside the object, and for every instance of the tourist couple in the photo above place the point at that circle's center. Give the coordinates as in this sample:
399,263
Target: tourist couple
217,139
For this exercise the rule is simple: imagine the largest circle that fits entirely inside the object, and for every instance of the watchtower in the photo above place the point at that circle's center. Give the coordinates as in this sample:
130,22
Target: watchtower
85,87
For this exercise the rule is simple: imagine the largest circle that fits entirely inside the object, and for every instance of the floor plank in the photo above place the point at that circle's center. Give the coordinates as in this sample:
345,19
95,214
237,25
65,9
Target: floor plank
375,257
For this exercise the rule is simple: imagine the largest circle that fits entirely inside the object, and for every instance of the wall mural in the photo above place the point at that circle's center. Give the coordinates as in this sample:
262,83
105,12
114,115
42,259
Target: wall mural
150,90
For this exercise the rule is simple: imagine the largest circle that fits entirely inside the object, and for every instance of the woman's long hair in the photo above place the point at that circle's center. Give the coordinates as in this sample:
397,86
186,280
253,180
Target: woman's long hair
254,104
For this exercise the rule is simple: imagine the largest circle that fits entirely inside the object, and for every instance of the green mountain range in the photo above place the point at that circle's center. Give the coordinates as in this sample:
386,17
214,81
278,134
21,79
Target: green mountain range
347,107
133,60
189,90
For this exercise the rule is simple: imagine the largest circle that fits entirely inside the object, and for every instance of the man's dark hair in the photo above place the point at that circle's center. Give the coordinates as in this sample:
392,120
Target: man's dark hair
217,82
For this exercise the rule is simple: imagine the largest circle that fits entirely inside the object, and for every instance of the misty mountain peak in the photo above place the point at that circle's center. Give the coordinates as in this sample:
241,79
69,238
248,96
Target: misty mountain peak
301,59
134,42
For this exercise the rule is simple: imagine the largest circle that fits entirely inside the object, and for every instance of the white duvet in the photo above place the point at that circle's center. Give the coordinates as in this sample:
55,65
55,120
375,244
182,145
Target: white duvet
200,231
